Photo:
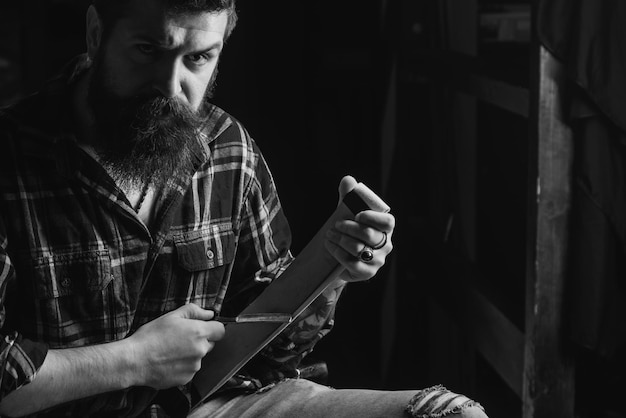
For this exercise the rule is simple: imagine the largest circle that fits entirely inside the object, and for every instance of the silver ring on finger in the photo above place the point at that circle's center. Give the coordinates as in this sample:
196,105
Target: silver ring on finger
382,242
366,254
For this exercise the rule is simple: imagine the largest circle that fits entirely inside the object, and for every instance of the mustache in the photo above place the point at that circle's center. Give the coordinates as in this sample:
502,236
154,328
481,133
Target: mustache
155,106
147,115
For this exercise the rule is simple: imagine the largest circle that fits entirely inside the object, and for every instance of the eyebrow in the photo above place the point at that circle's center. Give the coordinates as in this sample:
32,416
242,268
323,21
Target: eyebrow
159,42
213,47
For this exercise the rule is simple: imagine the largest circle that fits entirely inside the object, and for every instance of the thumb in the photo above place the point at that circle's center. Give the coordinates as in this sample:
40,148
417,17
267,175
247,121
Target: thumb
347,184
193,311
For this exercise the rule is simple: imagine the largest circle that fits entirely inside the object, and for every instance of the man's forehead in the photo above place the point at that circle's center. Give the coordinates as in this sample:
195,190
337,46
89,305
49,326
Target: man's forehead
151,17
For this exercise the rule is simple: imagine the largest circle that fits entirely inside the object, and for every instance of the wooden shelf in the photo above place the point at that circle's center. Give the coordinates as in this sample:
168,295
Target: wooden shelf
499,93
468,75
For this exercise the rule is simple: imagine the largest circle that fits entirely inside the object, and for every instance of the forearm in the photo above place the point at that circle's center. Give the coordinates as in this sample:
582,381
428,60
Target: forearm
310,326
70,374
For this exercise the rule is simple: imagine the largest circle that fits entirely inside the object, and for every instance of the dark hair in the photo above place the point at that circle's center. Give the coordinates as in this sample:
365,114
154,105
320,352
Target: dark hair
112,10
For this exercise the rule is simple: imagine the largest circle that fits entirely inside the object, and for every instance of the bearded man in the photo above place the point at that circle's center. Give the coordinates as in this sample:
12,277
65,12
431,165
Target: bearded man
132,211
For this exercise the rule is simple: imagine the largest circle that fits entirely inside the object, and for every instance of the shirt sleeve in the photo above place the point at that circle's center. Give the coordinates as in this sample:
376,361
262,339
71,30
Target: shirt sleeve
264,243
20,358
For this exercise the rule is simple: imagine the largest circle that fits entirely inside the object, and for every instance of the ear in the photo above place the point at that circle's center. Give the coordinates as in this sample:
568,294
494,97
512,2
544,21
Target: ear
94,31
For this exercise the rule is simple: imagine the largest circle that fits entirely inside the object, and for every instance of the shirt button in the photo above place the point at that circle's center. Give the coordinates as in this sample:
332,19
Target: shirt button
66,282
210,254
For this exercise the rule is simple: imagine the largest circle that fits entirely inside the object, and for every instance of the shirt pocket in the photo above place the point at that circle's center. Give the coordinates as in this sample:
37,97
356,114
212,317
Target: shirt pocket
204,256
74,292
72,273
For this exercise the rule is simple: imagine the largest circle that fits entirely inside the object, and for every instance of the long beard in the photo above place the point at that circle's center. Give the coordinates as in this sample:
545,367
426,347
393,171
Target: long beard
144,139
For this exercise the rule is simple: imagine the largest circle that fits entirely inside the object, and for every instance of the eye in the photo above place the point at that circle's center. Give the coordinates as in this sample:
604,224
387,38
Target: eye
146,49
199,59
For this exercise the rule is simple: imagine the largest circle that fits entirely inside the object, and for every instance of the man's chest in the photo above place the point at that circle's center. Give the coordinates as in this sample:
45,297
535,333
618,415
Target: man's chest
88,270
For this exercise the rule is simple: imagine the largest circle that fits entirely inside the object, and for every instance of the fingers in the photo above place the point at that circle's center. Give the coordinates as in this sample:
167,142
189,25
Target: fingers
216,331
193,311
378,220
347,242
357,270
203,324
353,235
210,330
346,185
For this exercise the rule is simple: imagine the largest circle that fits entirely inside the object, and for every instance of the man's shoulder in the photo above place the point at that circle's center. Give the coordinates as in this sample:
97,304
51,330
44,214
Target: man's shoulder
40,116
29,127
223,129
48,111
14,116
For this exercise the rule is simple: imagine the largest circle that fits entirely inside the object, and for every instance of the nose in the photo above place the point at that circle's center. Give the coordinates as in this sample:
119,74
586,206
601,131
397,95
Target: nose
167,78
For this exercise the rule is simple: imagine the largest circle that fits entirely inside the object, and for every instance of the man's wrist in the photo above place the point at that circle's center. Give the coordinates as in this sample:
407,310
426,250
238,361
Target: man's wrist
342,279
129,362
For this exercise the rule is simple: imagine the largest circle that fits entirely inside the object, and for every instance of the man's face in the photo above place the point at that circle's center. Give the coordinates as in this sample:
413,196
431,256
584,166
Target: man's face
149,52
150,78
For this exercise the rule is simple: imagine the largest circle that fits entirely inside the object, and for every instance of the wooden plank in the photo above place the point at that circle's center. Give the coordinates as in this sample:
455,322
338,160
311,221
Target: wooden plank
464,37
493,334
465,73
506,96
496,338
548,389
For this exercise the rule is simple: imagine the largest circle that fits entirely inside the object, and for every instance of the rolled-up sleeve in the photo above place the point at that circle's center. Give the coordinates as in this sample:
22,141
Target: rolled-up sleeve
20,358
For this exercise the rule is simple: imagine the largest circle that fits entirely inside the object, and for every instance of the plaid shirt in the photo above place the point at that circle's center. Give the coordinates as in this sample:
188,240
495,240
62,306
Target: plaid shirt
78,267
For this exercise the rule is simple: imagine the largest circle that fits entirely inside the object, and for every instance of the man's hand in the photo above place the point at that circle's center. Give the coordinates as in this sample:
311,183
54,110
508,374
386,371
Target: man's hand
348,238
163,353
168,350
